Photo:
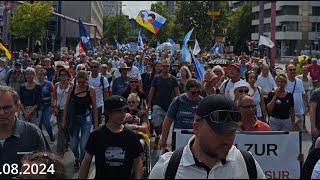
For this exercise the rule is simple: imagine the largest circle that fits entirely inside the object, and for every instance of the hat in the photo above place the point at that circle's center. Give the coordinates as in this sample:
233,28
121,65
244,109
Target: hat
236,65
123,66
241,84
216,102
115,102
209,75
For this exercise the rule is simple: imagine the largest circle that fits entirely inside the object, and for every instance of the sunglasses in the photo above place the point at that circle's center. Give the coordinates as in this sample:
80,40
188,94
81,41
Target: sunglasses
222,116
195,93
291,69
246,91
249,106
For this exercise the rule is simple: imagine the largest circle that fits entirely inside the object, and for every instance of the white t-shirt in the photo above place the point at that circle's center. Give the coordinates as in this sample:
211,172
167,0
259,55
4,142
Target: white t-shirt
297,95
266,83
316,171
96,84
257,99
134,72
228,90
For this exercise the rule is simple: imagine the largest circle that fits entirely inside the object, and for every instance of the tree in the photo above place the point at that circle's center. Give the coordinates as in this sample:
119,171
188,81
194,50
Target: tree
165,31
110,24
239,27
29,19
193,14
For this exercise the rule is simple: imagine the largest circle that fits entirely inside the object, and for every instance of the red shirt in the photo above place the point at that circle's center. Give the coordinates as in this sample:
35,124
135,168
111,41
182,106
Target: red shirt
314,70
258,126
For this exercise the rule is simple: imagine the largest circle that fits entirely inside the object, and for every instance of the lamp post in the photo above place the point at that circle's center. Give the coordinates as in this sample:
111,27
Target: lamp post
53,41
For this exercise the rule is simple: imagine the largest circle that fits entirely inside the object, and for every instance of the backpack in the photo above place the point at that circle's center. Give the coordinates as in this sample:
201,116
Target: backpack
175,159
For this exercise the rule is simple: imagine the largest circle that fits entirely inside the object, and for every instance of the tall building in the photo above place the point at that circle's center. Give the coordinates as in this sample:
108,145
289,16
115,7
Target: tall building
88,11
297,25
112,8
234,4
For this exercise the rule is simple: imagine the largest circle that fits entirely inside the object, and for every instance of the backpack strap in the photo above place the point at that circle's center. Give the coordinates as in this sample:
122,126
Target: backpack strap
173,164
225,86
251,165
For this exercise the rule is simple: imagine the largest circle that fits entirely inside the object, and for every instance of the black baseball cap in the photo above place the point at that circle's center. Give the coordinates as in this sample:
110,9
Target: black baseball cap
222,107
115,102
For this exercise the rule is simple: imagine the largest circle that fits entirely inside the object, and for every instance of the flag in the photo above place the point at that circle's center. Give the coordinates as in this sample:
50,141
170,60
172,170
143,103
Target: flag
265,41
84,36
150,20
6,51
196,48
140,40
185,56
79,49
216,49
199,69
119,46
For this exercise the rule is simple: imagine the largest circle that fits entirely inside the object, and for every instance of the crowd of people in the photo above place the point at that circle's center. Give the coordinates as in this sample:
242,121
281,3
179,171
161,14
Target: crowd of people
109,105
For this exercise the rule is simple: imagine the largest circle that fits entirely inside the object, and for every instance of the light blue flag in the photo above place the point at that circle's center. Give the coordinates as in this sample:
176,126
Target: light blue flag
185,56
119,46
199,69
140,40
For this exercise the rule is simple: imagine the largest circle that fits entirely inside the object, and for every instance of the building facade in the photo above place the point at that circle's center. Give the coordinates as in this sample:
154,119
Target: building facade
112,8
297,26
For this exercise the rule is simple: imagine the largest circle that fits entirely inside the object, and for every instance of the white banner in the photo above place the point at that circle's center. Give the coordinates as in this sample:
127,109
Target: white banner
265,41
276,152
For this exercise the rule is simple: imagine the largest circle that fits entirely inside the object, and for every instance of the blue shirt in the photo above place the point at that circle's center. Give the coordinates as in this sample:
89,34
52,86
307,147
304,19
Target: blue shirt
182,111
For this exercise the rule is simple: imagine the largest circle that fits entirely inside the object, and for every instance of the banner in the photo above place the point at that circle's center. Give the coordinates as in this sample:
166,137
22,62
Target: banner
276,151
150,20
265,41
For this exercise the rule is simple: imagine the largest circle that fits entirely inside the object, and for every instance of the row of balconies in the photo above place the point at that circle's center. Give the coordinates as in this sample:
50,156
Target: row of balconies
286,18
288,35
279,4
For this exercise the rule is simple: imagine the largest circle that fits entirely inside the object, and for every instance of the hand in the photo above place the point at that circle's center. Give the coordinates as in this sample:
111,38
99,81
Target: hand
277,92
128,118
162,142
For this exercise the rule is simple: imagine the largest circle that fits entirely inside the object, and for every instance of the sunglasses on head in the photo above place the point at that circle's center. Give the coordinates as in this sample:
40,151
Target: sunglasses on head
222,116
195,93
243,91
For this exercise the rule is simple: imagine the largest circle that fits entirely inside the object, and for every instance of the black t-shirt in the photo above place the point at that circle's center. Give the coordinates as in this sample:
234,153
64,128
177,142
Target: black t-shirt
315,98
164,91
114,152
282,106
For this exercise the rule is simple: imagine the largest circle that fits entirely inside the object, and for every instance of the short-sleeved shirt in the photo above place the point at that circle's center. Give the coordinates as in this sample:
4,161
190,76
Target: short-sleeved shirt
133,72
119,85
96,83
182,111
226,88
258,126
31,97
26,138
315,98
296,88
164,91
282,106
114,152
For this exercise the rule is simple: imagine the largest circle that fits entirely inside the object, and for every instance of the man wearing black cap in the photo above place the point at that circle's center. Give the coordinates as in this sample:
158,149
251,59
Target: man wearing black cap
210,153
117,150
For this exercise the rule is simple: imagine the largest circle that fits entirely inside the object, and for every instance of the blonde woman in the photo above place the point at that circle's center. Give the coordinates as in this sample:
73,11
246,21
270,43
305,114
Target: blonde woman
185,75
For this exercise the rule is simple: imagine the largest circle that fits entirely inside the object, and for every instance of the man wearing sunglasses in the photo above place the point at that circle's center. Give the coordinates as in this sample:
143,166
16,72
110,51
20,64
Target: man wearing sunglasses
249,121
210,153
181,111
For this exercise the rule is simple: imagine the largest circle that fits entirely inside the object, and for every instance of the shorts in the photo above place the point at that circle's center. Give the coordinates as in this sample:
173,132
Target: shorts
158,115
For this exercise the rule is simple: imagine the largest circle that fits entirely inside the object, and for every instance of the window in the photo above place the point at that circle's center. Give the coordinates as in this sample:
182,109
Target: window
266,28
315,11
315,27
289,26
255,28
289,10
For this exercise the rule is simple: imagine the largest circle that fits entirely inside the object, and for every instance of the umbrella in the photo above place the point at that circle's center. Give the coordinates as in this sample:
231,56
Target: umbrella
220,62
164,46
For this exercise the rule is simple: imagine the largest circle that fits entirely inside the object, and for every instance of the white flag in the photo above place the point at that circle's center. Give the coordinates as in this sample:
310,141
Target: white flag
266,41
196,48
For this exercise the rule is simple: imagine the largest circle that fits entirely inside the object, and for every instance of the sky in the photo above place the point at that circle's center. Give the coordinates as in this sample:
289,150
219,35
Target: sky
132,8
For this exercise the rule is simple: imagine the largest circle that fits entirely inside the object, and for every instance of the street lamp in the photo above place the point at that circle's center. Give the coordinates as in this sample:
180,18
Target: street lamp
53,41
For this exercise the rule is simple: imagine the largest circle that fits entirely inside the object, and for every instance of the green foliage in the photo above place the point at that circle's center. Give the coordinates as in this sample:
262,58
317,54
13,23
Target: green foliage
239,27
110,24
29,19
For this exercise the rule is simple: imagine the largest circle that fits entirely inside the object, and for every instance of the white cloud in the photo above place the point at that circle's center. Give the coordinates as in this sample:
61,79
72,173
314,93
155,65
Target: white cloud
132,8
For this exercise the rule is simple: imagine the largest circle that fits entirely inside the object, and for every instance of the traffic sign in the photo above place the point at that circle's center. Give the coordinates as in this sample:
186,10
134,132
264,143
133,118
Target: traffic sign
213,13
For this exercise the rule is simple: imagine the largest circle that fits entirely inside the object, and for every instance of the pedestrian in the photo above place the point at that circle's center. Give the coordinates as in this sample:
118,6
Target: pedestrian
116,149
47,91
48,66
314,116
164,88
120,84
265,80
185,76
50,166
226,87
16,136
82,114
295,87
249,120
210,153
3,71
281,106
257,94
314,70
133,87
310,169
31,98
101,86
15,77
209,83
133,71
181,111
240,88
218,70
60,93
147,78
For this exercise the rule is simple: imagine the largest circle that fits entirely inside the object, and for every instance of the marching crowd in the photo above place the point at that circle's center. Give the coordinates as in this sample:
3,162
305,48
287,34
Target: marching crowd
109,104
